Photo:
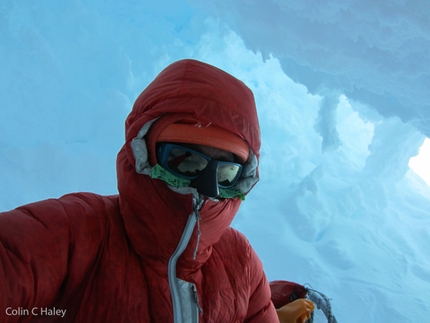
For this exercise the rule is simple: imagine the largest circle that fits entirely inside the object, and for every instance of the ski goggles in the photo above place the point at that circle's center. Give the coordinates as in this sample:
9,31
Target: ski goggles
190,164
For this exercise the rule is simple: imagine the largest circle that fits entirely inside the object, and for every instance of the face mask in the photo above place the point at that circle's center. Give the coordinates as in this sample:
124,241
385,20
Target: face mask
158,172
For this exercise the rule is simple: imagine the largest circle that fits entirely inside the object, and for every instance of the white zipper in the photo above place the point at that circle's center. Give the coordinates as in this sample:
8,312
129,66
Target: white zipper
173,280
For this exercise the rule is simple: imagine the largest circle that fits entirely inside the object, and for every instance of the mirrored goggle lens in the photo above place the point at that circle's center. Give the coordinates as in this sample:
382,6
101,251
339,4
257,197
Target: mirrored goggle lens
187,163
228,174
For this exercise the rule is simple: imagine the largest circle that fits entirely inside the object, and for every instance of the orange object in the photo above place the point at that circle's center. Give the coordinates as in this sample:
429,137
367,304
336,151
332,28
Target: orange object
298,311
181,128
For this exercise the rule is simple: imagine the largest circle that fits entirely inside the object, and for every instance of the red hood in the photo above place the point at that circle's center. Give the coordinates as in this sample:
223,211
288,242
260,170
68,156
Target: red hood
210,94
154,214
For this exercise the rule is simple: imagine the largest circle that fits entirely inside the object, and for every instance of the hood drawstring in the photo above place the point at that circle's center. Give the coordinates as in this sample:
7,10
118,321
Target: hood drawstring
197,207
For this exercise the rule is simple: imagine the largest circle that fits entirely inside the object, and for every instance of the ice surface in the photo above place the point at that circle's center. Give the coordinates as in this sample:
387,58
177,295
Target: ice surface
419,163
373,51
342,95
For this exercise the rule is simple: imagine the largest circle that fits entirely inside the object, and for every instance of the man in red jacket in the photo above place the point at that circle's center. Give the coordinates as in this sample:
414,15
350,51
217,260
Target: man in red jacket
162,250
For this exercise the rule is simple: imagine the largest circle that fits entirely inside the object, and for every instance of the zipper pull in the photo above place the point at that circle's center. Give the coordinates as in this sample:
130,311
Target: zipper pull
197,207
198,235
196,298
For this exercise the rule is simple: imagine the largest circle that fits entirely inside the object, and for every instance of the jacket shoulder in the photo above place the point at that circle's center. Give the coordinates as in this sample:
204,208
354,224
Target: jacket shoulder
72,202
234,251
89,203
69,219
58,239
233,242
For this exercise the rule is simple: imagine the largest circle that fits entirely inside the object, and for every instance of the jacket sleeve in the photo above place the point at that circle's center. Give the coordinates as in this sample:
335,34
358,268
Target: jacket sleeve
40,245
260,308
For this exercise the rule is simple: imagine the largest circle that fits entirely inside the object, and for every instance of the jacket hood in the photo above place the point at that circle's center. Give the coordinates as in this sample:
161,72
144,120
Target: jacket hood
154,213
207,93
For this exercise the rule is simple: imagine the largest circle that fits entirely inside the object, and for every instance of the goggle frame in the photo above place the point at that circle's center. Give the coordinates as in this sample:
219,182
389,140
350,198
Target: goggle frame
164,150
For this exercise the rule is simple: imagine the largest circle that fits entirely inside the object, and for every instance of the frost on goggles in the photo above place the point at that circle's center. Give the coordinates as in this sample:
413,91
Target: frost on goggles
188,163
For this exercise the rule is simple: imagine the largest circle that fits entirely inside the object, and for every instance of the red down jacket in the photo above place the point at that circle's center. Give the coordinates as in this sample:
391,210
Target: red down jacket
149,254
